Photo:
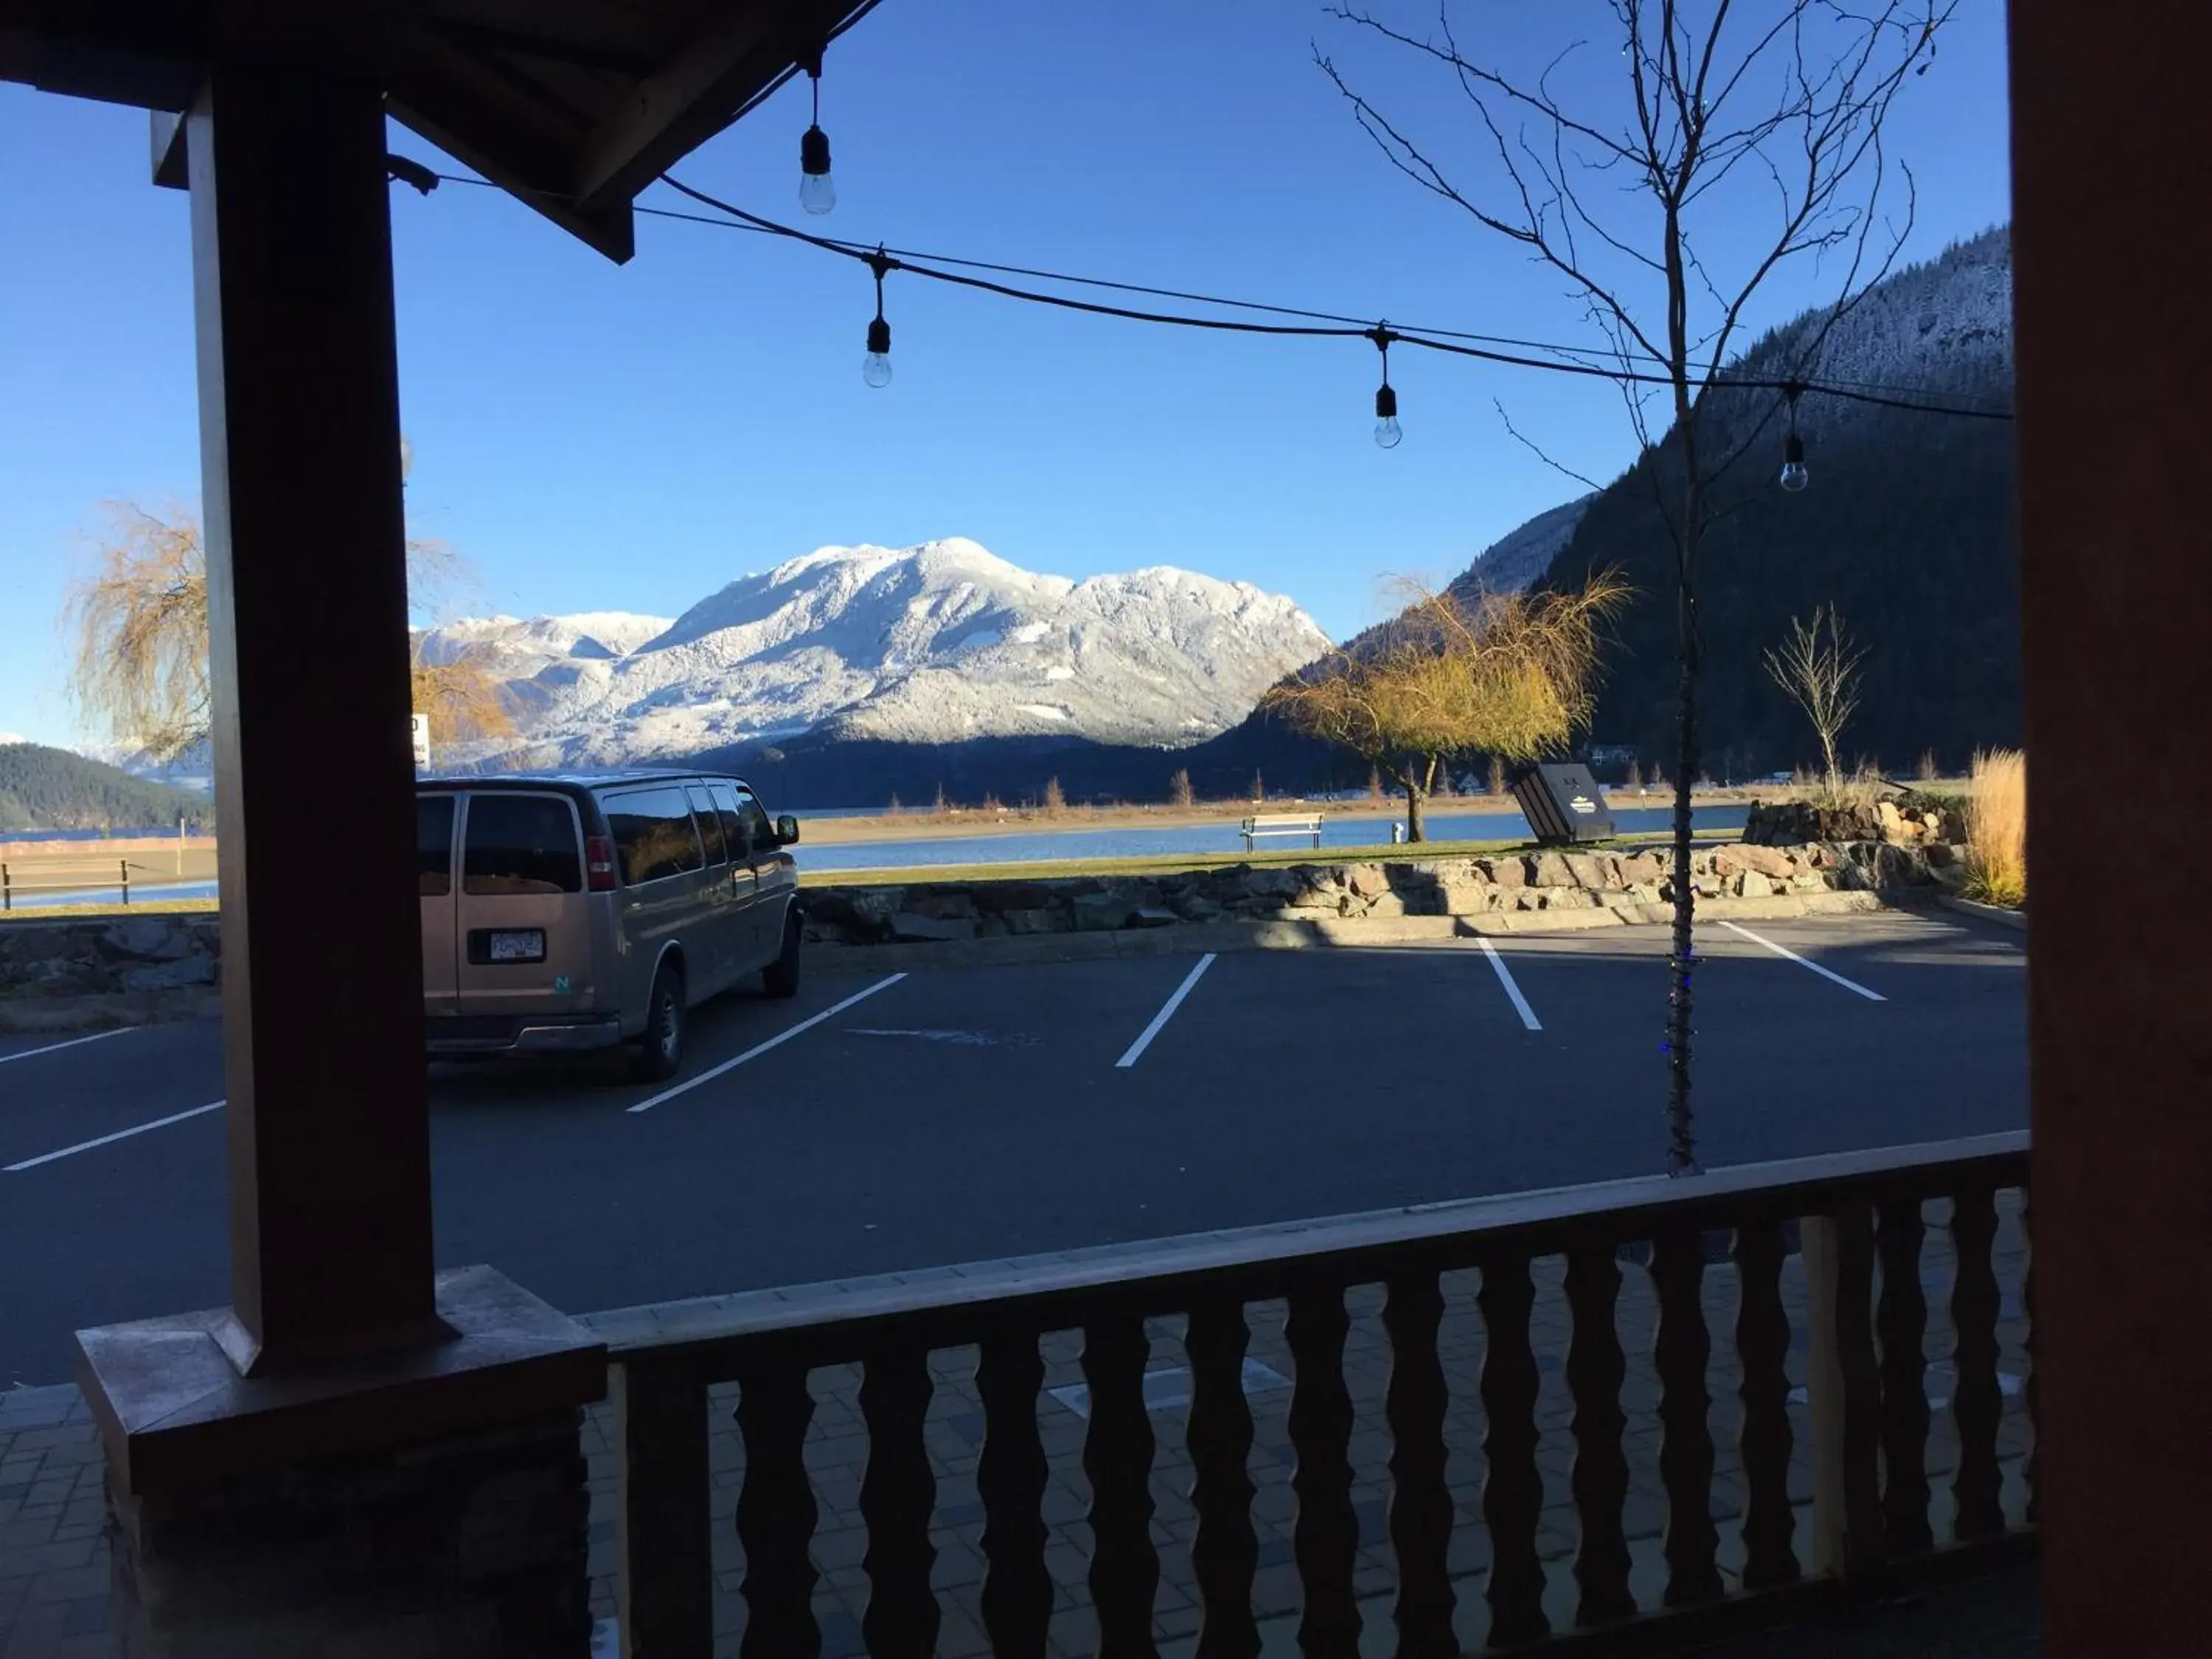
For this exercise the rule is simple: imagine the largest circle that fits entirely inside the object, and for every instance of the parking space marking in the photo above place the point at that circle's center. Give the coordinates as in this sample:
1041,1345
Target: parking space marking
1825,972
55,1047
760,1049
1167,1012
1505,978
120,1134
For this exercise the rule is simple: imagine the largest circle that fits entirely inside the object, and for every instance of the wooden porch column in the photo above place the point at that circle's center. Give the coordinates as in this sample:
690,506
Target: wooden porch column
2115,369
329,1164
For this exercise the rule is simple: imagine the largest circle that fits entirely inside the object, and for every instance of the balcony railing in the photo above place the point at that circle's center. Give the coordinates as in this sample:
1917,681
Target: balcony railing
1597,1496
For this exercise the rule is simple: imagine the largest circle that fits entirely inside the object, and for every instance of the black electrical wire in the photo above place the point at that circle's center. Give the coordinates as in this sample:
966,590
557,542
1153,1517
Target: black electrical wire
1321,326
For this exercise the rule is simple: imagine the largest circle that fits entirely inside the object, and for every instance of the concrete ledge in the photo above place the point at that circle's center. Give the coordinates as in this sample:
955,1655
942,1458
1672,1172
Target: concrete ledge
86,1013
1999,914
1192,939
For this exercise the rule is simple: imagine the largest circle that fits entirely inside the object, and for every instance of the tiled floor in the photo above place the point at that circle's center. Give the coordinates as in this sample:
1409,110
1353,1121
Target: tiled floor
53,1562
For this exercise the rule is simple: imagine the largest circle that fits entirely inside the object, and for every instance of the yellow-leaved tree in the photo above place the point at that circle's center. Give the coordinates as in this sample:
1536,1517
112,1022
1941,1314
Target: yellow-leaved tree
1513,675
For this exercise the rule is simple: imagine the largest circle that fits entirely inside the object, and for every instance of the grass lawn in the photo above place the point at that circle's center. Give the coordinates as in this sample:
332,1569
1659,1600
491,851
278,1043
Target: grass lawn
1177,863
137,908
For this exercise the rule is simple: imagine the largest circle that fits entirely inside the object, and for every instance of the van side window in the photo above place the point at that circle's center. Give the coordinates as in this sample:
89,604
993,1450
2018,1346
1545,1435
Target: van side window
654,834
710,826
434,845
760,833
521,844
734,824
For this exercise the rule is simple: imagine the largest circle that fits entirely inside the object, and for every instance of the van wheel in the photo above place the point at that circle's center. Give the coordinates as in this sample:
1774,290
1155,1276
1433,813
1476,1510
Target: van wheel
781,978
659,1050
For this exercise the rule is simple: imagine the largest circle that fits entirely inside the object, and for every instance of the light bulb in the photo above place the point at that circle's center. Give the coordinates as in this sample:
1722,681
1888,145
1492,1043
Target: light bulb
1795,475
1388,432
876,367
816,194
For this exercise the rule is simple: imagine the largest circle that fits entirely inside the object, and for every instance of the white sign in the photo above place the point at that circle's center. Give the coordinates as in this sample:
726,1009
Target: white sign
418,727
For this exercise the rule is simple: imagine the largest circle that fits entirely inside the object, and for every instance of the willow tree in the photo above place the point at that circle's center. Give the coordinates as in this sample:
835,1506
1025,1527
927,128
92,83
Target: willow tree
140,620
1660,174
1511,675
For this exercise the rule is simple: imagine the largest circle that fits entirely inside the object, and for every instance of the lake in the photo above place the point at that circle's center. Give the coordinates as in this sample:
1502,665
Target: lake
1347,829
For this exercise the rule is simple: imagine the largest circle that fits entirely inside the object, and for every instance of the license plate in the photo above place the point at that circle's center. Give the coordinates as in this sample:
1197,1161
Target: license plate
518,944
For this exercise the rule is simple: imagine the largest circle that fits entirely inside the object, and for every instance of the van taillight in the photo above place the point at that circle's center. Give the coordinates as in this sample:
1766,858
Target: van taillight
599,864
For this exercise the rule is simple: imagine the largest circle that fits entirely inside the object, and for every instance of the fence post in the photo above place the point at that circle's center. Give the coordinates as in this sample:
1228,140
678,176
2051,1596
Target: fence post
7,887
123,866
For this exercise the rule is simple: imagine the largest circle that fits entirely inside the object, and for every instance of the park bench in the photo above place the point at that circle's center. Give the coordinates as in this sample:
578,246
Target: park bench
1281,824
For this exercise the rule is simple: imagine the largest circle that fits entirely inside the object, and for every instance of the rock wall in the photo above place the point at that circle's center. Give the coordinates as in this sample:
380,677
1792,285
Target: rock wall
1905,820
107,955
1563,880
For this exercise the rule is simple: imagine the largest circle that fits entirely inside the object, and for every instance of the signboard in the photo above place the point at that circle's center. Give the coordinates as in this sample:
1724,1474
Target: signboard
1562,804
418,727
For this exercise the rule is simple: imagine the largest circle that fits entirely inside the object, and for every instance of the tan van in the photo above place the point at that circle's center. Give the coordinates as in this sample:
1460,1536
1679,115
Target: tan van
588,909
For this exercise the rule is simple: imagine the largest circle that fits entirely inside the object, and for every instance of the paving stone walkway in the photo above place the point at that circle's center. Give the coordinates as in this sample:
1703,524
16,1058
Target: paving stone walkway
54,1564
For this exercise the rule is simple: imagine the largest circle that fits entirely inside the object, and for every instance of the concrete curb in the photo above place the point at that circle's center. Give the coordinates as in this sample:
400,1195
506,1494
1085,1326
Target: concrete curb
27,1014
1191,938
2016,919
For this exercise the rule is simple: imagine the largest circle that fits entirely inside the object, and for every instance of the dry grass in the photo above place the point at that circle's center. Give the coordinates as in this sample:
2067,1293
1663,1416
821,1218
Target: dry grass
1997,829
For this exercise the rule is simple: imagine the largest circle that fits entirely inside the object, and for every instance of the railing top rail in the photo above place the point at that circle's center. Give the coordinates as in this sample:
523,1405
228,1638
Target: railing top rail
947,1306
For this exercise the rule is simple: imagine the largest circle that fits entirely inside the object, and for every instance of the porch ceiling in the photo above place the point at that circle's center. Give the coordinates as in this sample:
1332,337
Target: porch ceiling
573,104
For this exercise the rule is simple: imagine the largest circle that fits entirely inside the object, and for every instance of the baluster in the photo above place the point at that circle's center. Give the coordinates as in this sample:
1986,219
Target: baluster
1762,1346
1224,1553
1010,1480
897,1494
1595,1370
1512,1487
666,1582
1975,1398
1420,1493
1117,1455
1325,1541
1846,1389
2033,1471
776,1514
1901,1323
1680,1350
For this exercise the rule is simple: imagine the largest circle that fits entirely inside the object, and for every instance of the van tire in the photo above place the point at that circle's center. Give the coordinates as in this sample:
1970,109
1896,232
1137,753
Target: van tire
659,1051
781,978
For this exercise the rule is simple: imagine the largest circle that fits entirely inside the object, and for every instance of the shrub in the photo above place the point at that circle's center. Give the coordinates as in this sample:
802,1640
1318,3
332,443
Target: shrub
1997,829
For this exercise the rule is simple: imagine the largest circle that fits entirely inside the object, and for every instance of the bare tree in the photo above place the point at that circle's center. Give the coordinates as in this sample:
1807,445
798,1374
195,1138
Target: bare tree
1818,666
1715,101
1179,793
1513,674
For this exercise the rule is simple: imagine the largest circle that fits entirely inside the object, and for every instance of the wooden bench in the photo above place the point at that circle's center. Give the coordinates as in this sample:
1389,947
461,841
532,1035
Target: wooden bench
1282,823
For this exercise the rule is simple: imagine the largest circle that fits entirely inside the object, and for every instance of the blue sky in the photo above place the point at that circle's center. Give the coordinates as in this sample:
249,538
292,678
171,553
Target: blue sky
590,436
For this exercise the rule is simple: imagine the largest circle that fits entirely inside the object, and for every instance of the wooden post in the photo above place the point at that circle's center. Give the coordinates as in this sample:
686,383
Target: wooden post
2108,139
330,1168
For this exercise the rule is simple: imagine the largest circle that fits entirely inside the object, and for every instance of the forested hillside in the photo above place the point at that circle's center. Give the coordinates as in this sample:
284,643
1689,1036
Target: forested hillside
44,788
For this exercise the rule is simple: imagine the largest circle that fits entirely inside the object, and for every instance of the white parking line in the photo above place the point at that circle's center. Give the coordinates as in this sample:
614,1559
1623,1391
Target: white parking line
1505,978
1144,1038
120,1134
55,1047
1825,972
759,1049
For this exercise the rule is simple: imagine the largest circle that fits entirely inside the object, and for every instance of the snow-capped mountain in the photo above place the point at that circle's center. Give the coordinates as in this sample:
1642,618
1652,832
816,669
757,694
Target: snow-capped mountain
935,644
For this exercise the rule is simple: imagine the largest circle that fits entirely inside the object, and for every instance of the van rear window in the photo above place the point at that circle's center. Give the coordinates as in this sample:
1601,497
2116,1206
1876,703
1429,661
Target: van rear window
521,844
653,833
434,845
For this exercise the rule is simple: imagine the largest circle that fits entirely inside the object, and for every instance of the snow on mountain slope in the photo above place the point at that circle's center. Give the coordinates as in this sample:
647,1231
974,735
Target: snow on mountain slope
937,643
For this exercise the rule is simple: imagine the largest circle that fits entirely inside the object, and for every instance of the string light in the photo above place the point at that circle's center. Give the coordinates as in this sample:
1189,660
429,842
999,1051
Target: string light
817,193
876,367
1795,475
1389,434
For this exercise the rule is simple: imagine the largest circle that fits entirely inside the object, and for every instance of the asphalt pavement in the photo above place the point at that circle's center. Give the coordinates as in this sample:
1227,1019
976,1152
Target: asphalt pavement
886,1121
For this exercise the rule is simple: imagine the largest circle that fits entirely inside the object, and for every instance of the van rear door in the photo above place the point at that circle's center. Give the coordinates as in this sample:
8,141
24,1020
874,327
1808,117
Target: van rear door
522,921
434,878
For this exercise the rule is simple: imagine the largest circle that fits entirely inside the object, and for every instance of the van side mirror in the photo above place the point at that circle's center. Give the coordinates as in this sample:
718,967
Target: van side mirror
786,829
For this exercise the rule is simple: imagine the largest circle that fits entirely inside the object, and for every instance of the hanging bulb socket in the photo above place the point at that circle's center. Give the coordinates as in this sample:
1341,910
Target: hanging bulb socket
1795,473
1388,433
817,193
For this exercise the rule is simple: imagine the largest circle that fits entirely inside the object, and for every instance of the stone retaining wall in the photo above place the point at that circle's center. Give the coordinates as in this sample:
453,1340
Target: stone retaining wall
1341,892
109,956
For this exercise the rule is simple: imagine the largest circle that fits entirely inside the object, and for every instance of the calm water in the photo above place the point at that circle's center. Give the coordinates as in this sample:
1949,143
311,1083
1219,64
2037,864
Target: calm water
1348,830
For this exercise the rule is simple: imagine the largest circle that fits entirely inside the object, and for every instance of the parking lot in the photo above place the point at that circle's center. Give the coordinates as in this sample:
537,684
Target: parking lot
895,1118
